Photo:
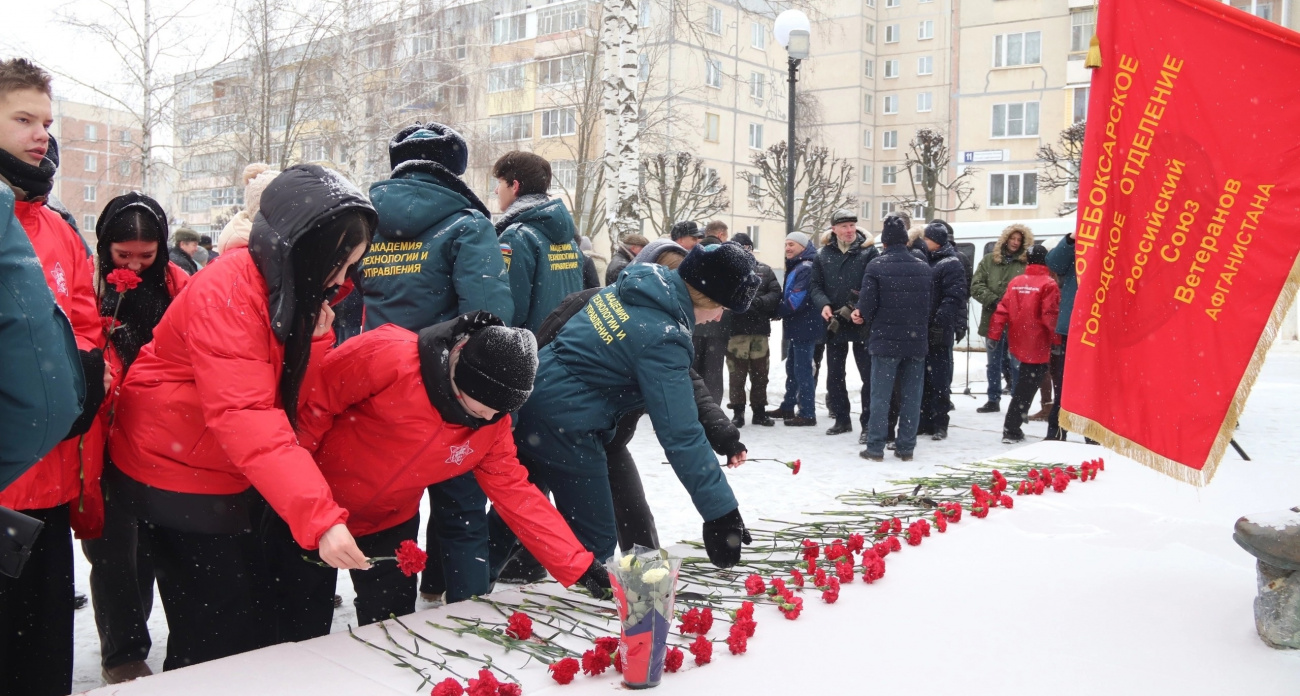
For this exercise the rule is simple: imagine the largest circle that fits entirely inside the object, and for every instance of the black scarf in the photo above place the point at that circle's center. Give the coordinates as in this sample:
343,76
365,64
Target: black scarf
32,182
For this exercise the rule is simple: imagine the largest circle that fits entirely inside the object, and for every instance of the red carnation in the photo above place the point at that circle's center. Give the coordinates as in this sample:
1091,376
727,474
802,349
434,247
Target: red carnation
857,542
999,482
1101,464
794,466
447,687
882,549
819,578
595,662
519,626
410,558
954,512
895,544
844,570
607,644
924,524
509,689
706,620
673,661
796,578
1007,502
873,568
485,685
810,550
754,585
702,649
883,529
123,279
564,670
737,640
690,622
747,625
836,550
940,522
896,525
792,608
1071,472
1023,488
913,535
778,587
1033,474
980,494
1039,487
746,610
1060,482
979,511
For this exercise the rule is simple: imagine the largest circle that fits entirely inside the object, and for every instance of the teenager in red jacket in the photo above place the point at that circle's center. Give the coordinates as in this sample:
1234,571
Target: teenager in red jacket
1027,313
131,235
395,412
36,608
206,414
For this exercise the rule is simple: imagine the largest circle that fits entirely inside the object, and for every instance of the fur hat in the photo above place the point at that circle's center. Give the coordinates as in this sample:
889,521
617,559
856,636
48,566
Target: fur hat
686,228
895,232
183,235
431,142
497,367
635,240
724,273
938,231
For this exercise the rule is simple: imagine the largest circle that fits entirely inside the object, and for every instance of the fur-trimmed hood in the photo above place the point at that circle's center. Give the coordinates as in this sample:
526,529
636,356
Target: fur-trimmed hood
1022,255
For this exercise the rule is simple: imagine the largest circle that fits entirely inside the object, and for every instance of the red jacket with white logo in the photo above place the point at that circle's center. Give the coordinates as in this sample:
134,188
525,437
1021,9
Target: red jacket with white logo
56,479
200,410
380,443
1028,311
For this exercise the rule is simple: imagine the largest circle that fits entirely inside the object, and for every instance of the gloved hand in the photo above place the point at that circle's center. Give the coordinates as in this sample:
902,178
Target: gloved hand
92,365
936,336
596,581
961,333
723,537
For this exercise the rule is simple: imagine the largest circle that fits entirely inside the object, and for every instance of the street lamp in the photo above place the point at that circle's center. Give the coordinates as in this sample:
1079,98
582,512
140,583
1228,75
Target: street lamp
793,31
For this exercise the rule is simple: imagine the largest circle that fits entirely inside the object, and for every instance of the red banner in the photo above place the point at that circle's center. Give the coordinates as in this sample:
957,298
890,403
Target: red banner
1189,209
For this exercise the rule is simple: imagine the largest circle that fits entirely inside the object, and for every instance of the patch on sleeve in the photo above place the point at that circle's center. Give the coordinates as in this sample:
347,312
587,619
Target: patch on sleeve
505,254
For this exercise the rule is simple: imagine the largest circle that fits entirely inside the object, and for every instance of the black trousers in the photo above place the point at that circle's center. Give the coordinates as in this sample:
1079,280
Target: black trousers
36,614
636,523
710,355
121,587
937,396
1054,431
457,540
837,391
1031,377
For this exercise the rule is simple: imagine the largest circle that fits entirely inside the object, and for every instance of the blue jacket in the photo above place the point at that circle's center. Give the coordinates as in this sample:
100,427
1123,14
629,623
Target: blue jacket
435,255
950,292
895,304
629,348
543,262
801,317
1061,262
41,383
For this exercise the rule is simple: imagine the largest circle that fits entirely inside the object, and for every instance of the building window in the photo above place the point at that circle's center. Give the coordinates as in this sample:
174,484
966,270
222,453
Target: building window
1264,9
1015,120
756,85
925,65
755,186
891,104
868,103
124,168
758,36
1083,23
893,3
564,175
459,48
566,17
713,73
889,174
124,137
714,20
644,19
924,102
92,163
509,128
867,138
869,68
712,124
642,67
869,33
1010,50
88,222
316,150
506,79
889,140
557,122
892,32
556,71
508,29
756,136
88,194
866,173
1080,104
752,231
92,132
887,208
1013,190
925,30
891,69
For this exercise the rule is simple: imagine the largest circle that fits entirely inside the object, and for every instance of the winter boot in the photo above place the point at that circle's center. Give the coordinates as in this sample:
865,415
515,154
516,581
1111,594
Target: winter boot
940,434
800,421
862,439
1043,412
522,569
905,457
1272,537
761,418
780,414
871,457
738,420
126,672
1012,438
990,407
840,427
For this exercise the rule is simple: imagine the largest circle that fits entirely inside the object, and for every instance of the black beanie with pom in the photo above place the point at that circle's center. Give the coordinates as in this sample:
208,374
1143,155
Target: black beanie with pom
724,273
497,367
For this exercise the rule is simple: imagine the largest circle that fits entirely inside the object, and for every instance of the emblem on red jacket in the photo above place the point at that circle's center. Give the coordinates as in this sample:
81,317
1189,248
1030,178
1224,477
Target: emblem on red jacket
458,454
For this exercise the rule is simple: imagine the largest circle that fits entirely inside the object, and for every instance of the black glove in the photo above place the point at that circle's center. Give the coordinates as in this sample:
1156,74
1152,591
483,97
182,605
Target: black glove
961,333
936,335
596,581
92,365
723,537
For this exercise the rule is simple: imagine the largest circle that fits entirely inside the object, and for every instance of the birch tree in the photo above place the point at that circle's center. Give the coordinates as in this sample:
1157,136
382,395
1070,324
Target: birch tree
619,48
934,187
821,184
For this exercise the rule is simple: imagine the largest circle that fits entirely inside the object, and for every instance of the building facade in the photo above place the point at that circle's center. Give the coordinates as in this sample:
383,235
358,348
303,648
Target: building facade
99,159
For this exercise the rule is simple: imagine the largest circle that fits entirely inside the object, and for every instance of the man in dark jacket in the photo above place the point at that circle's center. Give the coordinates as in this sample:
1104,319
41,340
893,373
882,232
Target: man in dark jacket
1060,260
185,242
624,252
987,286
948,303
686,233
434,257
801,328
536,235
895,303
747,343
837,275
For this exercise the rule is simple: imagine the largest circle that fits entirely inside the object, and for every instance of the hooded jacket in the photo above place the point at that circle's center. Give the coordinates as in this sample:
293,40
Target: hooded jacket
801,318
895,304
41,383
995,272
630,348
836,274
542,260
436,254
1060,260
1028,314
949,299
184,425
384,425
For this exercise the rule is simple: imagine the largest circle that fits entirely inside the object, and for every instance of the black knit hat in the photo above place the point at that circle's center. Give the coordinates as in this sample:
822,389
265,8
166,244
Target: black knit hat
431,141
939,231
1038,255
686,228
743,240
895,232
497,367
724,273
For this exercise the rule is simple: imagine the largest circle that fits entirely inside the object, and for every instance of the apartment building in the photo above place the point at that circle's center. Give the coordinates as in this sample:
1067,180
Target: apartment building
99,159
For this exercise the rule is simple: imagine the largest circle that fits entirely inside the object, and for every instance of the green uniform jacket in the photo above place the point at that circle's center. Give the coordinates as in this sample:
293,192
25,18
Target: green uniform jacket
995,272
543,262
1060,260
629,348
435,255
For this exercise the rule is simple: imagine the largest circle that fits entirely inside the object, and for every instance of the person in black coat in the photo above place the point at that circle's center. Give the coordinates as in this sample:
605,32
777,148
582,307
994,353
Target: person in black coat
748,351
948,304
185,242
837,275
894,304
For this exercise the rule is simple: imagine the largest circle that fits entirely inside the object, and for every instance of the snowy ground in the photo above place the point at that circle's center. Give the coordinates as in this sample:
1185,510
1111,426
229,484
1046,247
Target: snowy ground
1131,585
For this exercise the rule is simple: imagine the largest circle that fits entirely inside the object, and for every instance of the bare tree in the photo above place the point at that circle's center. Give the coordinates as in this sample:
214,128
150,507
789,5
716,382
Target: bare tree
934,187
821,182
678,186
1061,165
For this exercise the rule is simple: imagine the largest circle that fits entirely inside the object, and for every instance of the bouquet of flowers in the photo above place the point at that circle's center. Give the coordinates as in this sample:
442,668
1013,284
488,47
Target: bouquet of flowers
645,588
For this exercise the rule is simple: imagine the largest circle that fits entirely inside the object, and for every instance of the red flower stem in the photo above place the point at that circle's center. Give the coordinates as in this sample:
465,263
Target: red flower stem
486,662
542,651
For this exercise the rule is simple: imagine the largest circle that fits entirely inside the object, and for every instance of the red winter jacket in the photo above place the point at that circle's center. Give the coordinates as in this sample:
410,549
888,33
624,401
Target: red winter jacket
380,443
1030,308
56,479
200,411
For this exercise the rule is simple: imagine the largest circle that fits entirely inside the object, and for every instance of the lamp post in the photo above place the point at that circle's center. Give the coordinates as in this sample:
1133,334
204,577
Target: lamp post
793,31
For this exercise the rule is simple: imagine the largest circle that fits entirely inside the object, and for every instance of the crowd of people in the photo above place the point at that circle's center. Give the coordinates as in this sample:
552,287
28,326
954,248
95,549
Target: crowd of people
236,424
